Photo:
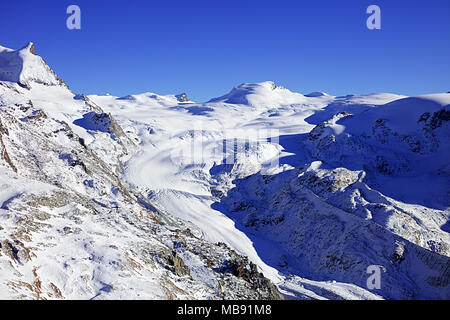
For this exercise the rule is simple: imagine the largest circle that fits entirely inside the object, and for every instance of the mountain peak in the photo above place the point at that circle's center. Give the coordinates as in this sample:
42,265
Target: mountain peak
265,93
24,67
29,48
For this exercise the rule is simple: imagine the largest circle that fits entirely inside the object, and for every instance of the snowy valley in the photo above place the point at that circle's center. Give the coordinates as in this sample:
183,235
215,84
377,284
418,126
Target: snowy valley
262,193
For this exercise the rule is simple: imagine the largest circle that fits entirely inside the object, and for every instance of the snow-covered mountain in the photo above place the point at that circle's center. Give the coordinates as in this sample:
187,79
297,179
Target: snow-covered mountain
71,227
257,192
24,67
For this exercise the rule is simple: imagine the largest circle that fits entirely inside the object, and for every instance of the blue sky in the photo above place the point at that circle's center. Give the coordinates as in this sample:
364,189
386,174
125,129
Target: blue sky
206,47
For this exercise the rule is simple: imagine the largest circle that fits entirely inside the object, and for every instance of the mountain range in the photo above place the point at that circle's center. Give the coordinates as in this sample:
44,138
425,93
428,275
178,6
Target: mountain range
262,193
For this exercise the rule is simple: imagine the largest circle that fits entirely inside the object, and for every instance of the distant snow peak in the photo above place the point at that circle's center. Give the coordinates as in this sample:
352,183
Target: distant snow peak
261,94
316,94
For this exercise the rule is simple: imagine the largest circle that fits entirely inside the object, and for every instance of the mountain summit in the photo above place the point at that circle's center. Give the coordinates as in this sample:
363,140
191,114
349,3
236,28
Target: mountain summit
25,67
265,93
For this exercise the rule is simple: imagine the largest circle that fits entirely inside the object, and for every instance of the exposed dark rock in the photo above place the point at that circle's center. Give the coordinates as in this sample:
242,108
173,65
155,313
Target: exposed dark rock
438,117
33,49
240,267
11,250
182,97
82,142
3,129
39,114
4,153
81,164
174,263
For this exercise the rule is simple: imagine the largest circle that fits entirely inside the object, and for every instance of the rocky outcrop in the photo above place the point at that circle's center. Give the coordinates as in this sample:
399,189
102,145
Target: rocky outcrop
3,152
182,97
174,263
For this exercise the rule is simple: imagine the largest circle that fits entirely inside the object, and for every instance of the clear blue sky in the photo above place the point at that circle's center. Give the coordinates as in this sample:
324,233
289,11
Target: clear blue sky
205,47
